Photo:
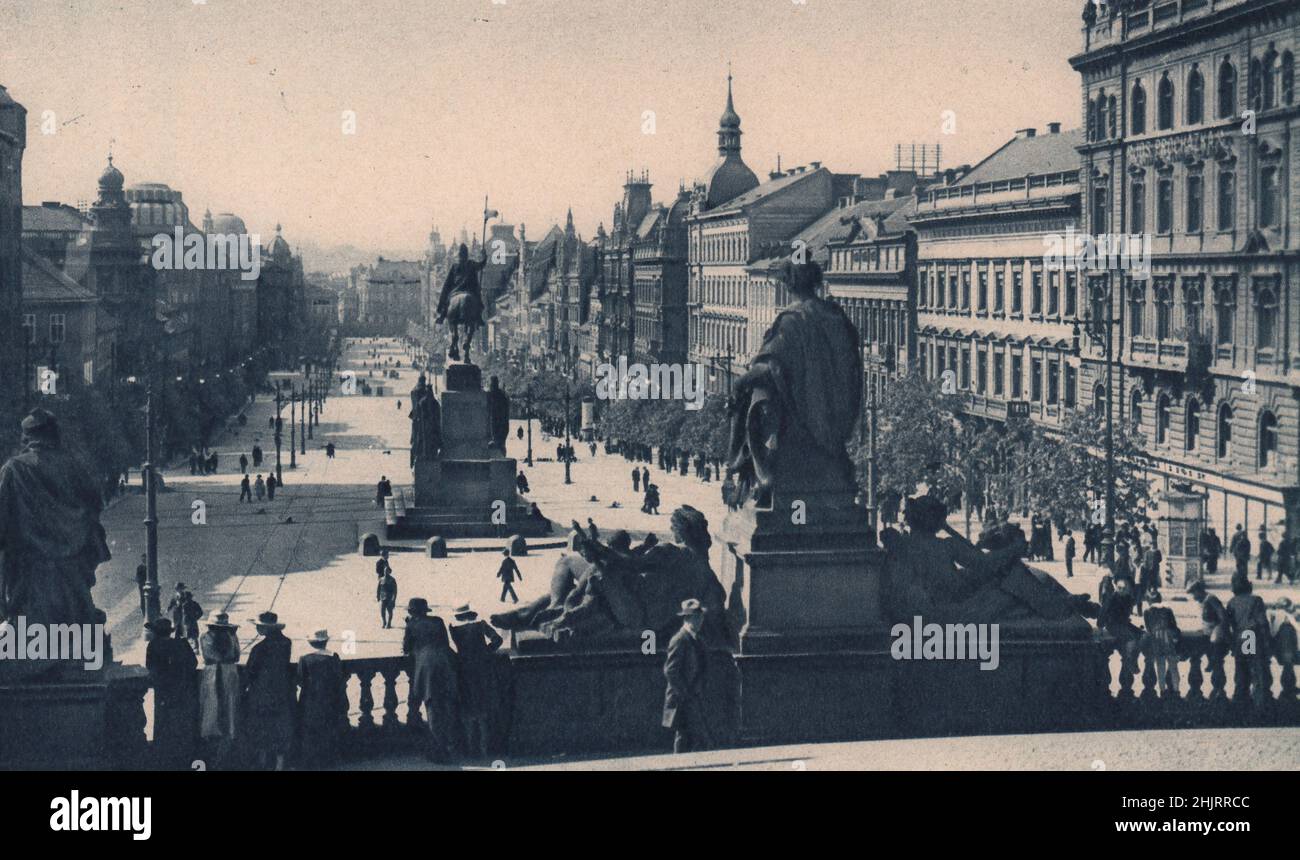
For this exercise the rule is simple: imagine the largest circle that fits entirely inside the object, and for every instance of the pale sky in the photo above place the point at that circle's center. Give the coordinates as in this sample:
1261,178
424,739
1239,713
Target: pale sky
537,103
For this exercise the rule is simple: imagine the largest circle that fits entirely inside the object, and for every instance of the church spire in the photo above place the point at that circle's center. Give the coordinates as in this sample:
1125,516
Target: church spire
729,124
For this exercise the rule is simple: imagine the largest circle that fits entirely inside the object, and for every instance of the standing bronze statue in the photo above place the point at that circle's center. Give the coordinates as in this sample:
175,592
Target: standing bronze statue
498,413
426,423
795,409
51,539
461,302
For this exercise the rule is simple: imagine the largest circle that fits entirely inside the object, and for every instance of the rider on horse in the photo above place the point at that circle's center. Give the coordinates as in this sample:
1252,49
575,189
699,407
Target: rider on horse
461,300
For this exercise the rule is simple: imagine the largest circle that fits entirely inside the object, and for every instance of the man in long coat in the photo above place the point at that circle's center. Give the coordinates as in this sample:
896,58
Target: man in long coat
219,686
323,702
475,641
685,669
173,670
269,693
433,675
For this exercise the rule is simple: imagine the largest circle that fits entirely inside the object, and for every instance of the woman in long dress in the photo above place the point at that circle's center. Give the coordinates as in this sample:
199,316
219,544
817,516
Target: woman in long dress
219,691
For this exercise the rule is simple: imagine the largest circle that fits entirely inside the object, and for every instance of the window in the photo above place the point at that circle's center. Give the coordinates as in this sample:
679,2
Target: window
952,290
1225,311
965,289
999,367
1195,202
1071,294
1017,292
1270,71
1112,118
1195,96
1036,293
57,328
1053,293
999,287
1192,304
1288,78
981,369
1137,302
29,327
1036,380
1164,204
984,289
1254,86
1100,205
1053,382
1227,198
1099,399
1225,432
1165,103
1193,425
1227,89
1138,205
1267,440
1097,293
1139,109
1269,197
1162,419
1164,311
1017,376
1135,410
965,368
1071,383
1265,318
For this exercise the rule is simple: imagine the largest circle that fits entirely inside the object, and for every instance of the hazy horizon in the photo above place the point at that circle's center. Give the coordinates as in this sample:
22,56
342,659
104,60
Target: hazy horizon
536,103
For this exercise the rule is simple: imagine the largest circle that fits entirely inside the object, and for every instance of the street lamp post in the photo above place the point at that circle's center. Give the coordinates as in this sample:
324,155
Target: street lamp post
568,459
528,399
293,427
1106,328
302,423
151,596
279,434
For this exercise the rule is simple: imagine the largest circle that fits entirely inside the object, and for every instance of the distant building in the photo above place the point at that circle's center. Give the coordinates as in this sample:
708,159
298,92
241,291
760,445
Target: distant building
389,296
59,327
13,140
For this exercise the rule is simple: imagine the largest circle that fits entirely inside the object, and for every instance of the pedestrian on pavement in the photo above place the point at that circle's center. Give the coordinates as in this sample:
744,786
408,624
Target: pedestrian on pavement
1148,577
1264,564
645,477
176,610
386,595
322,703
243,463
592,531
271,484
329,450
508,572
191,613
433,676
257,456
686,671
519,433
475,640
172,674
1286,558
1069,554
219,688
245,490
259,487
521,481
383,490
141,579
268,703
381,564
636,480
1240,549
1211,549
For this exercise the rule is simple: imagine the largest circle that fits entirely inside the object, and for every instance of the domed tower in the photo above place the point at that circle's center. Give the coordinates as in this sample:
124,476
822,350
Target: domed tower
730,177
121,276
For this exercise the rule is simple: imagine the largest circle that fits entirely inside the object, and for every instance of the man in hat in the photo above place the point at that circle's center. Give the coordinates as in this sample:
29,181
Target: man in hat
1248,621
219,686
386,595
433,675
475,640
1284,645
141,580
51,539
322,703
685,669
176,609
172,671
245,490
507,573
269,693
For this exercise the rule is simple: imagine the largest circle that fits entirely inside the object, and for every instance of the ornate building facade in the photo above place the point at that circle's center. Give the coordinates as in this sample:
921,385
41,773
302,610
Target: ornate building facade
1192,116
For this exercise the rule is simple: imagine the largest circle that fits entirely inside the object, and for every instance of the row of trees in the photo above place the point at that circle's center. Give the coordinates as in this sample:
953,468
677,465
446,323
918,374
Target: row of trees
926,443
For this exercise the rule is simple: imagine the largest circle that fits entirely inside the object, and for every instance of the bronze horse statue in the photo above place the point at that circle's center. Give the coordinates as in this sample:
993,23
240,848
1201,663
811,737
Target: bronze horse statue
461,302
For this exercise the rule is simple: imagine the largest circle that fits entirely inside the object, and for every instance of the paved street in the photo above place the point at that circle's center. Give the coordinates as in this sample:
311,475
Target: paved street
297,555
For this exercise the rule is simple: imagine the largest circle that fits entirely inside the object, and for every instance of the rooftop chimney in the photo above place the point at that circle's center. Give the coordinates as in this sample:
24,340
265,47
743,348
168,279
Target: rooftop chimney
1025,133
1053,128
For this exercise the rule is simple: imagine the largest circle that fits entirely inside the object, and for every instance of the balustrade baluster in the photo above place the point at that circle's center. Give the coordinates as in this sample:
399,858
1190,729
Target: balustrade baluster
367,721
390,722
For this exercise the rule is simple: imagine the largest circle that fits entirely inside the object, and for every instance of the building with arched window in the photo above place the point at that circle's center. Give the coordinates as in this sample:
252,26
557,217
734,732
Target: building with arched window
1209,336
